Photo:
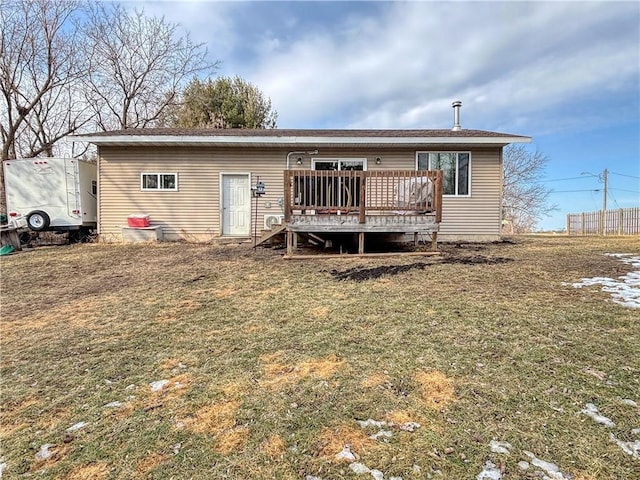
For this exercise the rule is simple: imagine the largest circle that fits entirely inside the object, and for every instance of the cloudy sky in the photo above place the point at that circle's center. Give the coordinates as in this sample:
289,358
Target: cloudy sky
565,73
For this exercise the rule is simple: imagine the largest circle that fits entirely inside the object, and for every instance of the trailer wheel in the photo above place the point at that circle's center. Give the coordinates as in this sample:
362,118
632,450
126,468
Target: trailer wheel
38,221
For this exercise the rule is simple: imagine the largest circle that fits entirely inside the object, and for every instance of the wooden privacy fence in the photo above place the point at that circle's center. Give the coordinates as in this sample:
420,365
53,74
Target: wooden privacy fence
623,221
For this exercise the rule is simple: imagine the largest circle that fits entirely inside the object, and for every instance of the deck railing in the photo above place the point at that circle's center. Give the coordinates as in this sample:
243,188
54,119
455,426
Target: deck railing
393,192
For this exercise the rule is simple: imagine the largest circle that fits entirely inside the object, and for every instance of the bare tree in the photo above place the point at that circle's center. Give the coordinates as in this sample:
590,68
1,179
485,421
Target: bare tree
138,65
39,65
65,65
524,198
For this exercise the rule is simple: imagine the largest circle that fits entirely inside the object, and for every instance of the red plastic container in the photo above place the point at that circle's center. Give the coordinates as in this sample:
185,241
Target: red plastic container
138,221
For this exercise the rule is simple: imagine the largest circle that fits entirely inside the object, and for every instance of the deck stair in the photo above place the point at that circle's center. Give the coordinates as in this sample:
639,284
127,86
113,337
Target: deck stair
273,235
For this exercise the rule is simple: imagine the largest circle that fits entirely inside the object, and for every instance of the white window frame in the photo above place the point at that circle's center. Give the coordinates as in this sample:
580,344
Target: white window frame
339,160
456,194
159,188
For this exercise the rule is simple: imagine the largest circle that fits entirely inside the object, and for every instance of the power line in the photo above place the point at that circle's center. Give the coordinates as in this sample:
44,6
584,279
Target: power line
624,175
572,191
560,179
621,190
610,194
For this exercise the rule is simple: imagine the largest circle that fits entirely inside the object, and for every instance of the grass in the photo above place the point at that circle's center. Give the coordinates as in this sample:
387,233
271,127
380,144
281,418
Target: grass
269,363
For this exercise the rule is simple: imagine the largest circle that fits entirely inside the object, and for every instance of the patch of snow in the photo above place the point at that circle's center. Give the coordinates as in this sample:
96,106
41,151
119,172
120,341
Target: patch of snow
3,467
77,426
406,427
626,289
489,472
635,431
115,404
551,469
592,411
395,478
630,448
311,477
176,448
44,452
345,454
371,423
628,258
628,401
381,433
416,469
499,447
359,468
523,465
158,385
130,387
409,426
377,474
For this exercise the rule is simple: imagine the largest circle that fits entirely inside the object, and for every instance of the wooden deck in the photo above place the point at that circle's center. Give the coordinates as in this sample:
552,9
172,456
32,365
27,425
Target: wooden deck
332,202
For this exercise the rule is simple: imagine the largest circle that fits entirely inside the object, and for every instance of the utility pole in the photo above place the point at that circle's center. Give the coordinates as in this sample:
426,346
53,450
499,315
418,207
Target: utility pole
604,202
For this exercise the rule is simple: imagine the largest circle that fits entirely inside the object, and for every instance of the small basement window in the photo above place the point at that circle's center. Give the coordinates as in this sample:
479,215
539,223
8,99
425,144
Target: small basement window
159,181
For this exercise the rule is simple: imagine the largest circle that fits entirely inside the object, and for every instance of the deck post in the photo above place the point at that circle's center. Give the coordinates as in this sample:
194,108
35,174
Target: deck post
434,241
363,197
438,196
289,236
287,197
361,243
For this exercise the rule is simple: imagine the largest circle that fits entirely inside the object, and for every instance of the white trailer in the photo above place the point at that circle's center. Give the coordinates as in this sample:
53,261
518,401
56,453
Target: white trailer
52,193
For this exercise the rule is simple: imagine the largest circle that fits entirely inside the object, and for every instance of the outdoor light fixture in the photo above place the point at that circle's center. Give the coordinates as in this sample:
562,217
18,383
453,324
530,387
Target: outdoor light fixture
378,161
299,161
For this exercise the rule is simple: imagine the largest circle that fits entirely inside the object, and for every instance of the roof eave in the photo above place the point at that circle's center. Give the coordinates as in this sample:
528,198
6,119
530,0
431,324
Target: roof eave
259,141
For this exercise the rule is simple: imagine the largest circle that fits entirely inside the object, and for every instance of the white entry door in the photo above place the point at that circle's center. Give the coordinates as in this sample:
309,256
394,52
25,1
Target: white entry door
236,205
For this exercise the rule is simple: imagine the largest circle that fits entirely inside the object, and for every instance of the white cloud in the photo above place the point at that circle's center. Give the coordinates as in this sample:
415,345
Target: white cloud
403,68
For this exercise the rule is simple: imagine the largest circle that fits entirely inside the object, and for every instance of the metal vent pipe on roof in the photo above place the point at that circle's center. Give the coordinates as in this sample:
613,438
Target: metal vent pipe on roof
456,115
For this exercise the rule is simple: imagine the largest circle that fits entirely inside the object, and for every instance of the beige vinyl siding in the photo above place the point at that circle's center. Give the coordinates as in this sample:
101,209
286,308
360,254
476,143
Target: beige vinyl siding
476,217
193,212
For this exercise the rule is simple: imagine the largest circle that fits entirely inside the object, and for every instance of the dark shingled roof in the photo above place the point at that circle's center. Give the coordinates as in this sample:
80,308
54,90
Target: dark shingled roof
240,132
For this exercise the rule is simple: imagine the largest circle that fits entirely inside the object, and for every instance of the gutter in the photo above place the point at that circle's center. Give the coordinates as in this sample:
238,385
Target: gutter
292,141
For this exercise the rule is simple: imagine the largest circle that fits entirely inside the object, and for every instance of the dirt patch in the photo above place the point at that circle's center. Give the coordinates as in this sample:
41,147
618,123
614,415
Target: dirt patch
435,388
475,260
362,274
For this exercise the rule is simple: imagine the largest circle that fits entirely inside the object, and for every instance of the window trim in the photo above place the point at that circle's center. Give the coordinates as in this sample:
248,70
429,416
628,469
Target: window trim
314,160
159,188
457,152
